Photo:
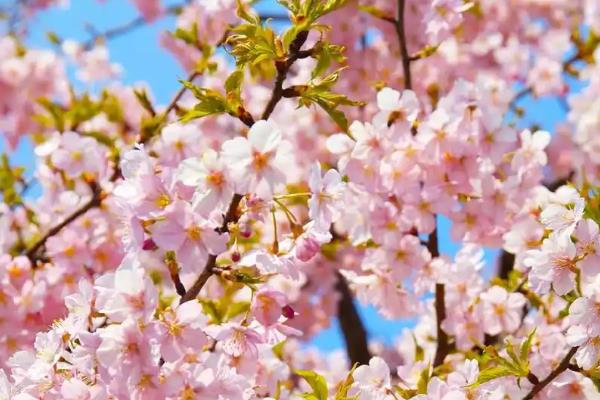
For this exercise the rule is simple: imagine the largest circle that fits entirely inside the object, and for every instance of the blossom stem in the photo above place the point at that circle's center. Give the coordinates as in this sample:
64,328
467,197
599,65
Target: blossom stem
292,195
275,248
290,216
564,364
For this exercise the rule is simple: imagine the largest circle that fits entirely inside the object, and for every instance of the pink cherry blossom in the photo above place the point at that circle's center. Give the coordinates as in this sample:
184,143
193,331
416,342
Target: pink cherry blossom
257,162
501,310
553,265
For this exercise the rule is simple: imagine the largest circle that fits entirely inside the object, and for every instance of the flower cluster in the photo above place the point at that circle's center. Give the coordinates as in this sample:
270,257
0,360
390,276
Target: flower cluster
193,249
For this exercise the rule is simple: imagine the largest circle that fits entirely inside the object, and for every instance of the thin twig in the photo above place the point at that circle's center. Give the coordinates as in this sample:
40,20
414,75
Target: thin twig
231,217
93,202
564,364
521,94
179,95
127,27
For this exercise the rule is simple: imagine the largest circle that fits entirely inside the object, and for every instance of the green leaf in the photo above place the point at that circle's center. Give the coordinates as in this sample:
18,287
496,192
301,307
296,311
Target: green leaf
211,308
325,55
235,309
210,102
510,350
336,115
150,126
278,349
490,374
57,113
423,381
317,383
526,347
53,38
405,393
252,44
243,11
342,391
419,351
144,101
306,12
320,93
190,36
234,81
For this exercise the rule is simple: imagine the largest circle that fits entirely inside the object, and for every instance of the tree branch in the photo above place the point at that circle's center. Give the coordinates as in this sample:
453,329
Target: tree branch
406,59
506,264
564,364
93,202
283,68
351,325
443,347
231,217
127,27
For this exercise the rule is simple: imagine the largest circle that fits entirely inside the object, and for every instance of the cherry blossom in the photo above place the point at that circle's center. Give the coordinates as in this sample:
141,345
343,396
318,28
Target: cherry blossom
332,156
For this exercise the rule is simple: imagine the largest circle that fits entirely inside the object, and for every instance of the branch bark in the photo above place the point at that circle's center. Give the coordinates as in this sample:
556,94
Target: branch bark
564,364
400,31
127,27
283,68
93,202
355,335
443,347
232,216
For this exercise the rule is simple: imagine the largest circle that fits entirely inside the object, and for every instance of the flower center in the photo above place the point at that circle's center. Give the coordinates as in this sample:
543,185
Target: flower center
565,263
260,160
163,200
194,232
215,179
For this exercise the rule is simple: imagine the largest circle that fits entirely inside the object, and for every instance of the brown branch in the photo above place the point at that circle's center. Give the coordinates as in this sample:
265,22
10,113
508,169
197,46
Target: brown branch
406,59
521,94
564,364
179,288
443,347
283,68
127,27
171,106
351,325
506,264
274,17
93,202
231,217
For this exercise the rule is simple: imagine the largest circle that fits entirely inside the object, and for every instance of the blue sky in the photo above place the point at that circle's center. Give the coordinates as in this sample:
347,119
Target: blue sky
144,60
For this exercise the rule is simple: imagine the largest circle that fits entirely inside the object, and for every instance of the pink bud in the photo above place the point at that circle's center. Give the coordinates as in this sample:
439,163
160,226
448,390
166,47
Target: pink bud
246,233
149,245
307,248
288,312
